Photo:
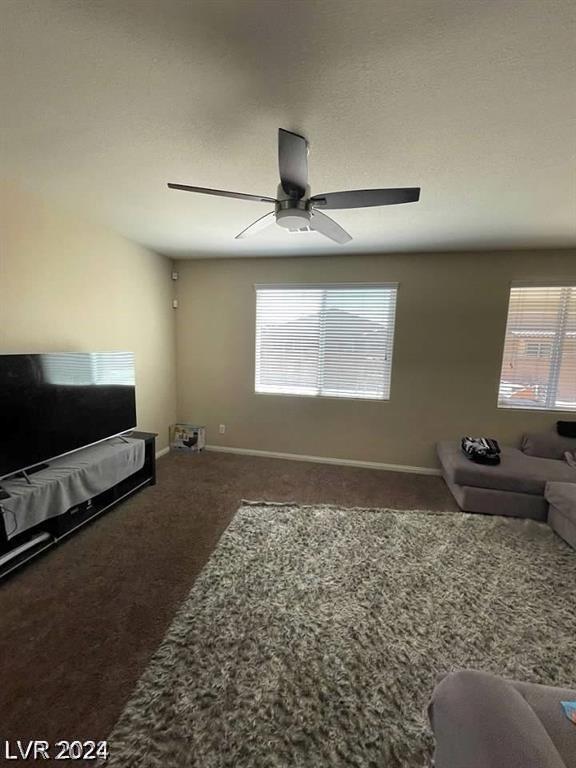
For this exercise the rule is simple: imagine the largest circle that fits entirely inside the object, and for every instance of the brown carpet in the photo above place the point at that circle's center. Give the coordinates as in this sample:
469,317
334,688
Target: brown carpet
79,625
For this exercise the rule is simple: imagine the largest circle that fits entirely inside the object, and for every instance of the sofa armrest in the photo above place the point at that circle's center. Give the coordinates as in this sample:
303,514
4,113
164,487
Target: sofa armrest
481,721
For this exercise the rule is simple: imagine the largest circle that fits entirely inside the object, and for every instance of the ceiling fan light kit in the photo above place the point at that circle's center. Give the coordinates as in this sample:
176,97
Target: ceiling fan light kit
293,215
294,210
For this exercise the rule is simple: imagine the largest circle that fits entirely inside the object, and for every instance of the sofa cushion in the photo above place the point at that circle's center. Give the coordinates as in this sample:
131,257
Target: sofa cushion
516,472
545,701
562,496
564,525
547,445
562,514
482,721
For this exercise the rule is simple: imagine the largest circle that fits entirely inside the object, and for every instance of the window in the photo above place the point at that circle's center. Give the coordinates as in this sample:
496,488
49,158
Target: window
539,362
325,340
82,369
537,348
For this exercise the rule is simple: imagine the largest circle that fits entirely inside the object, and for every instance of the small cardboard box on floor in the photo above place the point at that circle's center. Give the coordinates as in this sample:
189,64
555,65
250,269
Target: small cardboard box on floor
187,437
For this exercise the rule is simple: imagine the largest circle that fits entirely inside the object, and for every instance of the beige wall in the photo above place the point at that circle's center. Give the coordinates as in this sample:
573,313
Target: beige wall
67,285
450,324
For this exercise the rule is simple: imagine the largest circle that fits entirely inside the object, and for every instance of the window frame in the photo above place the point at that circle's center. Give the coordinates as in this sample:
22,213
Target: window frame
540,346
556,347
326,286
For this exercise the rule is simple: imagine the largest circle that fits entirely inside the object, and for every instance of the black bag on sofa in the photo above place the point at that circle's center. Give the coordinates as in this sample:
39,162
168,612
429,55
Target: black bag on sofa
566,428
482,450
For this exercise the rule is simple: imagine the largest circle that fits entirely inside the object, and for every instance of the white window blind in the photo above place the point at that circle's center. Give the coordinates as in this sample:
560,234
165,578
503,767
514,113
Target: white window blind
539,361
325,340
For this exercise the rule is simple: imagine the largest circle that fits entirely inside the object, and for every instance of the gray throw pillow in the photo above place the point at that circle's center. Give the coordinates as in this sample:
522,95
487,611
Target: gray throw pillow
547,445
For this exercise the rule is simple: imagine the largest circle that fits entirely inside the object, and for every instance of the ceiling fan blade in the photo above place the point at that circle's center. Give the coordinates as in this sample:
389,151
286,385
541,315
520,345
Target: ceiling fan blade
364,198
223,193
319,222
293,163
257,226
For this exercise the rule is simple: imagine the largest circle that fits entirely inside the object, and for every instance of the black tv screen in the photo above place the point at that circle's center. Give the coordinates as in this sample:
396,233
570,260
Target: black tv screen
54,403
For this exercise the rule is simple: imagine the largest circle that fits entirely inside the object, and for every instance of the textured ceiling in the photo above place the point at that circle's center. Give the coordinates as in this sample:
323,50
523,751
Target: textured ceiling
105,101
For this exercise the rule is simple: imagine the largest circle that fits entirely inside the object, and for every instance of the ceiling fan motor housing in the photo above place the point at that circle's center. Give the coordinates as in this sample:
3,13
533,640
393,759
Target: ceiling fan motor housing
293,214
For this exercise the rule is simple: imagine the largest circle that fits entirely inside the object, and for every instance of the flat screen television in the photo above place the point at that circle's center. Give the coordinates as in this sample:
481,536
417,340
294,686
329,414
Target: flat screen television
54,403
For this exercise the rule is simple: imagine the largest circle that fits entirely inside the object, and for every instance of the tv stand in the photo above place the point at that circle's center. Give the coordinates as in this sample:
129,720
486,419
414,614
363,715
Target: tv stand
22,548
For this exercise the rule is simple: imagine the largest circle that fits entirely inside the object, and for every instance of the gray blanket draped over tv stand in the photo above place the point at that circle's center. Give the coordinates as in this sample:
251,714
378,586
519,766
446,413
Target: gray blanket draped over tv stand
68,481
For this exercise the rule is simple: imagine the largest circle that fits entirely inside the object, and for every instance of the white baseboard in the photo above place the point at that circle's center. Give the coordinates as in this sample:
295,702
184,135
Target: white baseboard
326,460
162,452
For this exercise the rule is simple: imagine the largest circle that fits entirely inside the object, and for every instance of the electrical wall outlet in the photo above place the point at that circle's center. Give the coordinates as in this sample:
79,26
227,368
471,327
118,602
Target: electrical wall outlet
222,429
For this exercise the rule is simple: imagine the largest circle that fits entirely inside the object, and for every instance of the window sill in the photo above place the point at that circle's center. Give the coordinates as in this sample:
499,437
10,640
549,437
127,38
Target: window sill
324,397
531,409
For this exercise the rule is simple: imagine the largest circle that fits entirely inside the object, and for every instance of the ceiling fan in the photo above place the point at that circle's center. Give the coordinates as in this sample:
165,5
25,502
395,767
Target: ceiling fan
294,209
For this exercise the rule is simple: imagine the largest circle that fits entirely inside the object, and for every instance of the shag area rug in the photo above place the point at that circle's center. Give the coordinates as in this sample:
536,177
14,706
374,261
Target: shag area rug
314,636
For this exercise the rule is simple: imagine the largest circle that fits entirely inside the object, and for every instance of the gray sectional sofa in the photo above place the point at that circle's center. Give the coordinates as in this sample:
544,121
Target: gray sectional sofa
526,481
483,721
